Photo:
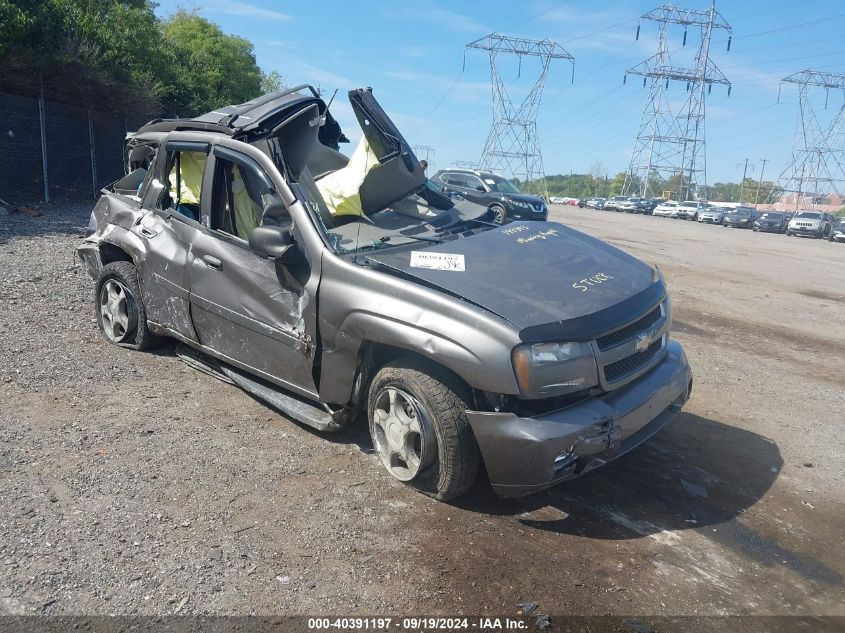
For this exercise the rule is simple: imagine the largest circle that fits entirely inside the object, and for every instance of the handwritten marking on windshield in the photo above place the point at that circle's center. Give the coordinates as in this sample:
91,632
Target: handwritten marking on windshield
595,280
438,261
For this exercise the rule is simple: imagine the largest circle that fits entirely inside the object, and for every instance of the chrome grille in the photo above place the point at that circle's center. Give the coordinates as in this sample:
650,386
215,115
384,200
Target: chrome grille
630,364
631,331
633,349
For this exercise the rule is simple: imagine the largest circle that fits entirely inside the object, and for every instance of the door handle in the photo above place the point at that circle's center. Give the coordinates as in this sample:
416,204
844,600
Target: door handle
212,262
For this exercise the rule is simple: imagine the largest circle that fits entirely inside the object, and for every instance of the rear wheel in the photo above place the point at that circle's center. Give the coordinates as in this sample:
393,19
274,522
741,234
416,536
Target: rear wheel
119,308
420,431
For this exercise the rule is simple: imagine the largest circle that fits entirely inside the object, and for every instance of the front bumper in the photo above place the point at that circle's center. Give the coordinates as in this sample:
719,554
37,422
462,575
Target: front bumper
521,213
524,455
805,230
770,229
709,220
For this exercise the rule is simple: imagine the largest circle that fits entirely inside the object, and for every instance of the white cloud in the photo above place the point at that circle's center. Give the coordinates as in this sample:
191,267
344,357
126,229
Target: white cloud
414,51
442,17
244,9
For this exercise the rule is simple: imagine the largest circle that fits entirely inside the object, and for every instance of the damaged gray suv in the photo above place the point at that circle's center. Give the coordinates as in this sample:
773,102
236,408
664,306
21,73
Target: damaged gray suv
340,288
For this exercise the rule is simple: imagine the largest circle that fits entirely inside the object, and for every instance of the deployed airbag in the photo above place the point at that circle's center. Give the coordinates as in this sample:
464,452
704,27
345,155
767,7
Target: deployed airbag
341,189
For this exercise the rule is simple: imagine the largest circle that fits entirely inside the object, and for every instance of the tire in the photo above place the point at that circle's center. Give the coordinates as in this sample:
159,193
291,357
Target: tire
119,308
789,234
425,420
499,213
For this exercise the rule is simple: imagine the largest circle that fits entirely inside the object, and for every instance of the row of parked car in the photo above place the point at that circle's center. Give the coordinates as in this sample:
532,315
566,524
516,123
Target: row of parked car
818,224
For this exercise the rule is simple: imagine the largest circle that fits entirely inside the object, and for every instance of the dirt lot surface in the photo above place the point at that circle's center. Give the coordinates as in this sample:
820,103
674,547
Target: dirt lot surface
130,483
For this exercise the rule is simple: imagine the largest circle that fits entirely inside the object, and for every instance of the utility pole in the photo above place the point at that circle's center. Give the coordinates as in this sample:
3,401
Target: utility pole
669,143
816,166
760,182
742,183
513,146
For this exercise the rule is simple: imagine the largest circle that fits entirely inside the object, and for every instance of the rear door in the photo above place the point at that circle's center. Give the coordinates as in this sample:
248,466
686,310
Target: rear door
245,308
168,233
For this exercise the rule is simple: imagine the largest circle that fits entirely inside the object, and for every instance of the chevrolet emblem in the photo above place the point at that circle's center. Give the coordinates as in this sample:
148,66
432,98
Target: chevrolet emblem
644,340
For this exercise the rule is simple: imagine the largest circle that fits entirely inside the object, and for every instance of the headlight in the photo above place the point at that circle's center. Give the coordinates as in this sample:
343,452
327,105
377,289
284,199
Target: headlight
519,203
544,369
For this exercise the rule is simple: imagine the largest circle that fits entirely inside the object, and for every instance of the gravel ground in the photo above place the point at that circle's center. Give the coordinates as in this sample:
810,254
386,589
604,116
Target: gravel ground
132,484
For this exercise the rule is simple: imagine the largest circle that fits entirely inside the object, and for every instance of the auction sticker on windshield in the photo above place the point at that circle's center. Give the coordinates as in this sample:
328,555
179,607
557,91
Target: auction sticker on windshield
437,261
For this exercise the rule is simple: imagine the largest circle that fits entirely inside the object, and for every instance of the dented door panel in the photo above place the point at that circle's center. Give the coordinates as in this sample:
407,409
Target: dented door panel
164,276
252,311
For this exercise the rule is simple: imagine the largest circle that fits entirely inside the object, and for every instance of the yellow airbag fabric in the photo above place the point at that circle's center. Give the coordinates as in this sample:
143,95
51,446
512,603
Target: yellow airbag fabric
340,189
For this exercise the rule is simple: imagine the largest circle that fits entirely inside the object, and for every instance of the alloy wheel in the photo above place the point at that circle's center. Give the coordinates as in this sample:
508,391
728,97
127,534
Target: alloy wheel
402,434
114,310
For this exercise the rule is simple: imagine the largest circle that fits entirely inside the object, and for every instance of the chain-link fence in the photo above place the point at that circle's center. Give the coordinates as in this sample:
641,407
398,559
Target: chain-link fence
53,150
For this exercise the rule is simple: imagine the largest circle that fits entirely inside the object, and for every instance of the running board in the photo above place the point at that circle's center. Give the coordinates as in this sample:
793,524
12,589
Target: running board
299,410
201,362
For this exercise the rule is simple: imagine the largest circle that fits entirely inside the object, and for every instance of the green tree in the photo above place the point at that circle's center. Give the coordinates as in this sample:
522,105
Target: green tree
271,82
116,54
616,184
210,68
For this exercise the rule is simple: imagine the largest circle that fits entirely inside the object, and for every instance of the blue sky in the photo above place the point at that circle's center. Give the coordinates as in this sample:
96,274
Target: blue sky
411,53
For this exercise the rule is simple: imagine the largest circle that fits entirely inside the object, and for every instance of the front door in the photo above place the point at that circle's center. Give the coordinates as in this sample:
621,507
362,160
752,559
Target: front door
245,308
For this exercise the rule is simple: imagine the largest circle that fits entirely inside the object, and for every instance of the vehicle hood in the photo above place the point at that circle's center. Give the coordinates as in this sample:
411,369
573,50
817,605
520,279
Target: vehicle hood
805,221
550,281
731,217
522,197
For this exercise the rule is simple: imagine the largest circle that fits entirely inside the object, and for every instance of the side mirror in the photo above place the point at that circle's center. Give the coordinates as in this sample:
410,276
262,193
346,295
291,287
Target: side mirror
274,206
271,242
480,188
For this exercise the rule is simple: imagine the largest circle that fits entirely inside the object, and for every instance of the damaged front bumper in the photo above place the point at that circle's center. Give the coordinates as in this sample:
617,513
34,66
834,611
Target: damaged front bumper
524,455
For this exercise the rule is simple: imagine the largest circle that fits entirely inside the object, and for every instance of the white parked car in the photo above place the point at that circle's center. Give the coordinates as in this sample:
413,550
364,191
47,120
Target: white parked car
666,209
690,209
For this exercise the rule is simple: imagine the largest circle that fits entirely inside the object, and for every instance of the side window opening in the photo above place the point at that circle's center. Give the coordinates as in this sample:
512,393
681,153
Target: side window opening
236,204
184,182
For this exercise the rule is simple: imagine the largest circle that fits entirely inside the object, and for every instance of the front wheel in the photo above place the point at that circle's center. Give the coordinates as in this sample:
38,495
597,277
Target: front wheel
499,214
420,431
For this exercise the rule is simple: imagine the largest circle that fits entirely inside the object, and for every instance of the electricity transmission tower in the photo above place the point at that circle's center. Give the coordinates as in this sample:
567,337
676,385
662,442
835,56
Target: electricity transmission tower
513,146
426,153
816,167
669,151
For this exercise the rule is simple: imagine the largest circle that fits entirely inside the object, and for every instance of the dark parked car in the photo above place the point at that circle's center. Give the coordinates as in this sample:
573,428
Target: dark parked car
771,222
498,194
740,218
342,289
646,205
